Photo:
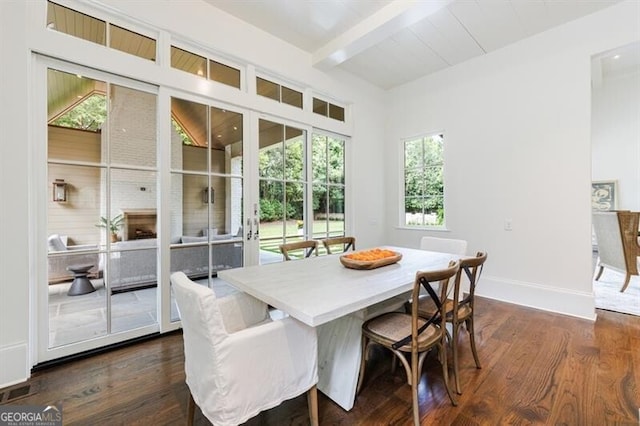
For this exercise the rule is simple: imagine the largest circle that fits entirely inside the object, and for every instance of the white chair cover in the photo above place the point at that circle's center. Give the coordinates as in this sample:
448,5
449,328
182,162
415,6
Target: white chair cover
238,362
444,245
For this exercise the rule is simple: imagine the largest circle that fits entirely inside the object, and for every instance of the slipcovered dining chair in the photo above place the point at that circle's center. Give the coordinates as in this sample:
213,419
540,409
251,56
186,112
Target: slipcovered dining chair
410,337
307,248
459,308
618,245
444,245
237,361
346,243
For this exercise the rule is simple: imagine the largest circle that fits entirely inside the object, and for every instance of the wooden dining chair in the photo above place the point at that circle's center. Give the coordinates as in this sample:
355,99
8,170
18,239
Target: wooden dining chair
458,307
346,243
410,336
307,247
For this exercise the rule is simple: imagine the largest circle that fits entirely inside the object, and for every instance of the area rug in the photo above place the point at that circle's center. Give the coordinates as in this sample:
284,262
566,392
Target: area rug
608,296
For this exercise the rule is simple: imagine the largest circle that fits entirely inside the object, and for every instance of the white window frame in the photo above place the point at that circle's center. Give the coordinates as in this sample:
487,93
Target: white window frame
401,205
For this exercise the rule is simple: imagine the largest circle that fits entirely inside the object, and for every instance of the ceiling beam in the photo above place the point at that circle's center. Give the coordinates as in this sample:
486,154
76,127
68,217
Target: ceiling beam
392,18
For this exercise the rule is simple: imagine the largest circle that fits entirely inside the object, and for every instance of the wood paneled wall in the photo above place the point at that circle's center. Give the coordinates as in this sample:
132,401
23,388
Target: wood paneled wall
77,217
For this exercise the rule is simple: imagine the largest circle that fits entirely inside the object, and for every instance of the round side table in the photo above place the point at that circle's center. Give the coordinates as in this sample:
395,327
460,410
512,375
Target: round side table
80,284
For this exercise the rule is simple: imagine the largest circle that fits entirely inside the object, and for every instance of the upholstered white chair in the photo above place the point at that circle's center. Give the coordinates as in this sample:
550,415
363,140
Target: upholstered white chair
237,361
618,245
444,245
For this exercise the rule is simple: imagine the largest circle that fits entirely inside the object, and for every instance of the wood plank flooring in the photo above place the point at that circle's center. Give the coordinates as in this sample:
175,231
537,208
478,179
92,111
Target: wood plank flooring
538,368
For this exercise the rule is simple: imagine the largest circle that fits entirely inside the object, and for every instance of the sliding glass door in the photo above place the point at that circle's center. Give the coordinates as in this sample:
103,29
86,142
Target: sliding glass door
101,221
206,194
301,187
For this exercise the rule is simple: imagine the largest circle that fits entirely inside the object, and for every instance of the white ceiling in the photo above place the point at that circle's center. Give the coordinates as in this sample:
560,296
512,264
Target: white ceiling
391,42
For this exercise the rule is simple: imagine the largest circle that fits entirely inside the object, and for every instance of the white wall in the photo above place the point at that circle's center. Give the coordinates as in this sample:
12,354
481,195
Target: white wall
615,136
517,134
22,30
14,196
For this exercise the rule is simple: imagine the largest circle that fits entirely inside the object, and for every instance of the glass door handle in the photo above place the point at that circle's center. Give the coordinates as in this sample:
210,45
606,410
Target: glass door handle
257,234
250,233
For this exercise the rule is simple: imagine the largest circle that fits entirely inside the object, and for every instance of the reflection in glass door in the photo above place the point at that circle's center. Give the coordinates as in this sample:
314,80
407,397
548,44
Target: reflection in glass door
206,192
101,214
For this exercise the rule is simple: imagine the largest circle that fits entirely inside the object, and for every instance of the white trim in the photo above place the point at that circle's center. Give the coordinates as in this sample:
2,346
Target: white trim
423,228
547,298
14,355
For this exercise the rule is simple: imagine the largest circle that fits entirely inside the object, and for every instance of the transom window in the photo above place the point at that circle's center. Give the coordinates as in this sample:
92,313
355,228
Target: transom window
423,181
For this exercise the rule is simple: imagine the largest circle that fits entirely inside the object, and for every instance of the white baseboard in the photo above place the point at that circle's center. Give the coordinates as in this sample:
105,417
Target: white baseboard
553,299
14,360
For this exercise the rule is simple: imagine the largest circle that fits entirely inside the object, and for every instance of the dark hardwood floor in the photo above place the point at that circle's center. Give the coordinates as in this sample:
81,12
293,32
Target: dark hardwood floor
538,368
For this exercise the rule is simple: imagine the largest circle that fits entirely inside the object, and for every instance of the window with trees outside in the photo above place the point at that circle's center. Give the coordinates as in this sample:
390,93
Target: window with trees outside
423,181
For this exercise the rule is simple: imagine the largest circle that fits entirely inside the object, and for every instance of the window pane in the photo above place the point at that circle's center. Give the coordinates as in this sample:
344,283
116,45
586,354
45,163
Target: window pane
320,209
131,42
226,141
271,161
77,24
294,206
320,107
433,150
134,196
188,135
268,89
291,97
336,160
189,62
224,74
336,112
413,182
194,206
75,101
271,217
66,143
319,158
336,211
413,153
433,210
132,126
433,181
77,218
294,154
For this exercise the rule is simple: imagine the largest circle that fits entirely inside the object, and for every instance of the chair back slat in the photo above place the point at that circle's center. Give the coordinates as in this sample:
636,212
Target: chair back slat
308,247
348,243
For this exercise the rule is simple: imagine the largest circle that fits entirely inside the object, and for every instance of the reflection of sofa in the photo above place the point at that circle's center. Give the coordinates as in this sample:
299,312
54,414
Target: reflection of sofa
61,256
133,263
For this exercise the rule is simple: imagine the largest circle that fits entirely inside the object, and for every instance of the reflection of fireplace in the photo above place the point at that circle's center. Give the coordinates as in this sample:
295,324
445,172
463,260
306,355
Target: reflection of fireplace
139,224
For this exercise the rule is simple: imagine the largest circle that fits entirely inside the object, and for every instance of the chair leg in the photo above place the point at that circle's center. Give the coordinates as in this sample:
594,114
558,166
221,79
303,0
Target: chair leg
599,273
191,408
626,282
445,374
454,348
312,401
363,364
415,380
472,338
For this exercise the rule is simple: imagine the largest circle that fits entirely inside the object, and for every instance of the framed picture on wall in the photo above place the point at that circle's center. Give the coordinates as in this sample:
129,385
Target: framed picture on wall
604,195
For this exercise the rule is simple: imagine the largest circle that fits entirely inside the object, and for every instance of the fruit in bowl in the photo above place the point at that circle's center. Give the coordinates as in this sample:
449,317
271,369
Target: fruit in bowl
369,255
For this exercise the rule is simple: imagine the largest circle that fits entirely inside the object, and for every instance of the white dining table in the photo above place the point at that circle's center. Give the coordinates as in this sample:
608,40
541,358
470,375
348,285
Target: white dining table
322,293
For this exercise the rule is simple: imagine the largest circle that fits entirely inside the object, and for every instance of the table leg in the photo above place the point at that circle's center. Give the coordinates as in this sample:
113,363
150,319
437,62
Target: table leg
339,352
